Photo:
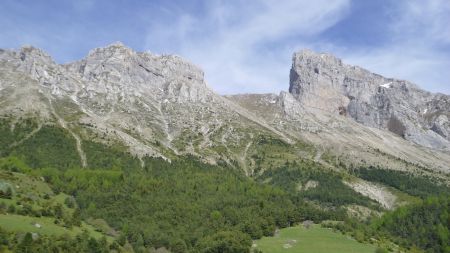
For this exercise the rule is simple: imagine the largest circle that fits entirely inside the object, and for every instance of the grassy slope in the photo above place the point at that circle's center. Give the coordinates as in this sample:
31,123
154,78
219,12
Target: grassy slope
316,240
30,187
20,223
264,152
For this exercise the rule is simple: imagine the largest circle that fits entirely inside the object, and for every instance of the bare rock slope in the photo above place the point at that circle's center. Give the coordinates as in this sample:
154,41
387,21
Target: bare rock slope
324,82
160,105
357,116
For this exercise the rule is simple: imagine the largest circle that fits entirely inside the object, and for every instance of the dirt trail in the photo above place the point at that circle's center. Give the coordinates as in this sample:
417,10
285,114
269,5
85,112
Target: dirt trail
243,158
28,136
63,124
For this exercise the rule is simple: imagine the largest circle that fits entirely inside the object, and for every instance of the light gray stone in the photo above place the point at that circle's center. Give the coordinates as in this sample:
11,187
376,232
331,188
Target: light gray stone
324,82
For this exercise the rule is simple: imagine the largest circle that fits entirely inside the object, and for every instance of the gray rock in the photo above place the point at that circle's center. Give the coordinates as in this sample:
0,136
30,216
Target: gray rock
160,105
324,82
154,104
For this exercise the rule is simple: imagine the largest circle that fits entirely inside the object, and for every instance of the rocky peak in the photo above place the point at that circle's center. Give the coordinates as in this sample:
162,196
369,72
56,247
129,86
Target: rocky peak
113,52
324,82
310,58
30,53
29,59
117,69
160,105
120,56
37,64
115,48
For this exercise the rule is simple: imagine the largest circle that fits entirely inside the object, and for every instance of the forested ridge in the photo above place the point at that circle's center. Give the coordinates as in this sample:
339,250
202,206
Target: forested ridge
182,205
419,227
420,186
422,226
189,206
327,189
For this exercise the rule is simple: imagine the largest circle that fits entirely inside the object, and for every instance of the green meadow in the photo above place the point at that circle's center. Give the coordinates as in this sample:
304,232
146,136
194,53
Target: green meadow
46,226
316,239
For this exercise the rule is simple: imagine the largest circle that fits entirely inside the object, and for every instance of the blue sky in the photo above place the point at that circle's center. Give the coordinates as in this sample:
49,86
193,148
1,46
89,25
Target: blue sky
245,46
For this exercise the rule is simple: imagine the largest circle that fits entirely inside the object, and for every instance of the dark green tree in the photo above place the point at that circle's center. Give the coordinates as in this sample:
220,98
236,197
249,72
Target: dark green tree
26,244
225,242
178,246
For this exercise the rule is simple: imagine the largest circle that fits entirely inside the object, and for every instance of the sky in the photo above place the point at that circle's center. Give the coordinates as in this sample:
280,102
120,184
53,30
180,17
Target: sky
245,46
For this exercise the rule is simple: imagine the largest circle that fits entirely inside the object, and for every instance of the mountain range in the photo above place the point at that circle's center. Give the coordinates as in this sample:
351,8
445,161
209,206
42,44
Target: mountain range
160,105
126,151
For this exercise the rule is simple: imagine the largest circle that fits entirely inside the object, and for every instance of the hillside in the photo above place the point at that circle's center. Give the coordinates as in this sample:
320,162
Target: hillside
133,152
161,106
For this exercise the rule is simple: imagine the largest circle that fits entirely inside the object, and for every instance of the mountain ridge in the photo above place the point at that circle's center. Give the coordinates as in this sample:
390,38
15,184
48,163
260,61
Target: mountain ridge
161,106
325,82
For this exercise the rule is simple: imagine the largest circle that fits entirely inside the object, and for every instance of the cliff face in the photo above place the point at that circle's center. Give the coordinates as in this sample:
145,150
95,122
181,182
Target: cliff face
322,81
160,105
157,105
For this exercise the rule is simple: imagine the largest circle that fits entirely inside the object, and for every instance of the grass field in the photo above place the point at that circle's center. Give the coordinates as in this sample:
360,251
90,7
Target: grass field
37,194
313,240
19,223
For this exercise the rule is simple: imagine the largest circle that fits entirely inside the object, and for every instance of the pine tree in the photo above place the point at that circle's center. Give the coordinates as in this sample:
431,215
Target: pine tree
8,193
26,245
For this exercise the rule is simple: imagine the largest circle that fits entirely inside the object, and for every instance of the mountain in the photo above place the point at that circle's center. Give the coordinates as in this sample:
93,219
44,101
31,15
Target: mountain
160,105
138,152
324,82
153,105
326,98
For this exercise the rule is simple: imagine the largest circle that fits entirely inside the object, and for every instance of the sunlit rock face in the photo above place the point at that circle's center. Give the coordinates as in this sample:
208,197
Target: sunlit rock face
160,105
324,82
154,104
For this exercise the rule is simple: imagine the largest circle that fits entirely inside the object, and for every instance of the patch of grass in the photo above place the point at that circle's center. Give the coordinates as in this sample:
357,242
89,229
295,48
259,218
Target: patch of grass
34,192
402,197
315,239
28,185
8,202
271,152
20,223
24,224
68,110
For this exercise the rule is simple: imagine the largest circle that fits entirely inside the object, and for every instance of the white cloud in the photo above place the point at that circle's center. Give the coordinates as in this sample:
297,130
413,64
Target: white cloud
425,20
426,68
246,46
232,41
416,51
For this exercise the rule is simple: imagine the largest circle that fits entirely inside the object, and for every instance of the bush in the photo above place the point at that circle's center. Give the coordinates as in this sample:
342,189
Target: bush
381,250
225,242
11,208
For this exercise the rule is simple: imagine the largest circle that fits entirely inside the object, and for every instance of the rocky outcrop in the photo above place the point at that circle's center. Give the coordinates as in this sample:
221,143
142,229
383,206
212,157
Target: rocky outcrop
154,104
122,73
160,105
324,82
347,140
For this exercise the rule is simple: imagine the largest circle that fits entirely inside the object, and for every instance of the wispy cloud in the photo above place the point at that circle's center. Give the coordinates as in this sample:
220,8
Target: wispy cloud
418,45
424,20
246,46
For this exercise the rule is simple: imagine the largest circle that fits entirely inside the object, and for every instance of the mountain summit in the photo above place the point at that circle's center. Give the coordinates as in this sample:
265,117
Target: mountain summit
322,81
160,105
